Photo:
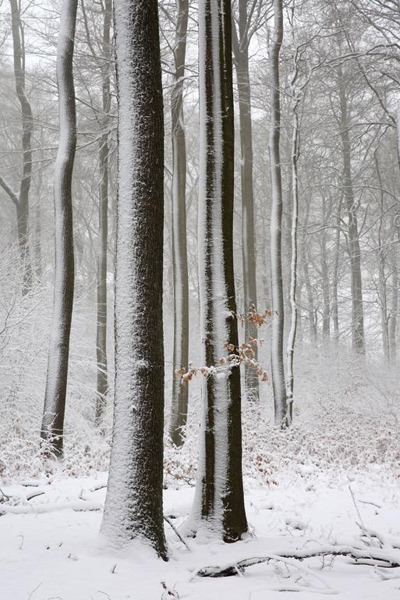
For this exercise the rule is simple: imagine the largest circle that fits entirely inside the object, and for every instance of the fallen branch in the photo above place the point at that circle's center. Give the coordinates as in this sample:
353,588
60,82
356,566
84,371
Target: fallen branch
28,509
174,529
372,556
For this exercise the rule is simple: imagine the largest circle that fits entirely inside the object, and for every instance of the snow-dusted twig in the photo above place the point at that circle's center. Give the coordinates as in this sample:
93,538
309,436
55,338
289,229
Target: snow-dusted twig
34,495
174,529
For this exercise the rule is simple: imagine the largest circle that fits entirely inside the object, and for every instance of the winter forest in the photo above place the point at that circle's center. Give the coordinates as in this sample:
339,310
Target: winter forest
199,299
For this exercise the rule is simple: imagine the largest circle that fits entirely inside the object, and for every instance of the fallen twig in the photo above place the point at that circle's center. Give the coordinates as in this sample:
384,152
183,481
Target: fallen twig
174,529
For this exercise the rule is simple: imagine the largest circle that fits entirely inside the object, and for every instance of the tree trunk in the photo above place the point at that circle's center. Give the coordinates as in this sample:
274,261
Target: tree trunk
101,330
22,206
295,153
335,275
133,508
179,403
277,364
394,304
382,277
57,367
357,315
241,54
326,304
219,503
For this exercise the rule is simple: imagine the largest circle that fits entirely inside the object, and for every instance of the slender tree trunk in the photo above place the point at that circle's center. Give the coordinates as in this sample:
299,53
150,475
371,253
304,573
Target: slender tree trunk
277,364
179,404
357,317
394,304
22,206
57,367
291,341
133,508
219,502
335,275
305,260
326,309
101,330
382,278
241,54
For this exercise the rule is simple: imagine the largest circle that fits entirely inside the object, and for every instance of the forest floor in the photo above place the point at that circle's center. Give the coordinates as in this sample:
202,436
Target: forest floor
51,550
332,477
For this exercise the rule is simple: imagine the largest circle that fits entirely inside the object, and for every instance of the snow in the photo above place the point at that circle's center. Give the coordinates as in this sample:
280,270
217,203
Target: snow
54,550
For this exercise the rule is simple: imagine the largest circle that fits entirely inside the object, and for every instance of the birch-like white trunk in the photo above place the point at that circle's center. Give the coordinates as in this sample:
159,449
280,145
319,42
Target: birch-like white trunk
57,366
133,508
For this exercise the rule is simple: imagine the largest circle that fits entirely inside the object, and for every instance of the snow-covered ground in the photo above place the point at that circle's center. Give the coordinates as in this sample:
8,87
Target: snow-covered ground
50,547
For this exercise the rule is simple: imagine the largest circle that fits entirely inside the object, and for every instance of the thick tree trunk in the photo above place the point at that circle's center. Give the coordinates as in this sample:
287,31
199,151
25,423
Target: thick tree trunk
133,508
180,393
277,363
219,503
101,330
241,54
357,315
22,206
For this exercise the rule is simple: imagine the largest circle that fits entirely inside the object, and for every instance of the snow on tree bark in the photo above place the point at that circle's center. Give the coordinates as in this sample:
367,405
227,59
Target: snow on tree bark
277,329
219,504
180,393
241,54
133,508
57,367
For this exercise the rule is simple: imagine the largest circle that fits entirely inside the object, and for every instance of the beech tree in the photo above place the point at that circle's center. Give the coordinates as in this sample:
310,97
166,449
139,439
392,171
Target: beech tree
246,24
282,417
180,393
57,366
219,503
133,508
20,199
104,149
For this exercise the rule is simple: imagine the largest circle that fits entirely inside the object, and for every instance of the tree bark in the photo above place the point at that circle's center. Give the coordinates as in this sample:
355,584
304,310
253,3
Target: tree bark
241,55
22,206
291,341
57,367
101,330
133,508
357,314
219,502
277,362
180,393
